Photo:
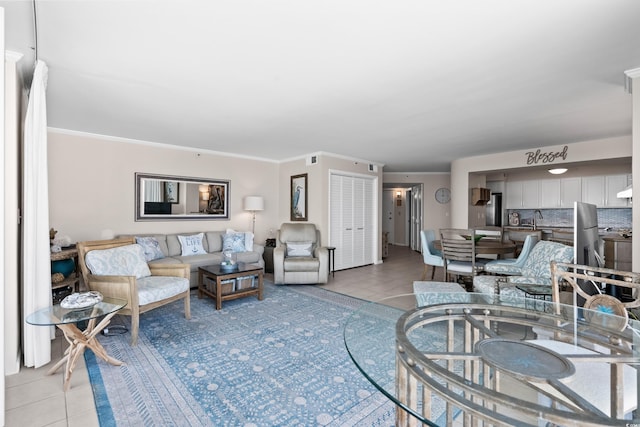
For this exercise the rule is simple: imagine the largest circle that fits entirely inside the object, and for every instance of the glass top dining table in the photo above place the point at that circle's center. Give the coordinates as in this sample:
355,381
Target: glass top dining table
467,358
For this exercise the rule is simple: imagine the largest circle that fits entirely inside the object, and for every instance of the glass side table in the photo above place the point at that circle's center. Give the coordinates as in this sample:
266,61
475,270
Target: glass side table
66,319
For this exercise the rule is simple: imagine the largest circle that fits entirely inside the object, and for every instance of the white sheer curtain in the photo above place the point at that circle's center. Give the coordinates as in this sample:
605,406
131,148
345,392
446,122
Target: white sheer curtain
36,264
153,190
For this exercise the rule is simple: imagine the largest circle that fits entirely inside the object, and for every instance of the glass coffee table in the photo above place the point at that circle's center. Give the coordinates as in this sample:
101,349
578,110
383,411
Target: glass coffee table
66,320
226,284
460,359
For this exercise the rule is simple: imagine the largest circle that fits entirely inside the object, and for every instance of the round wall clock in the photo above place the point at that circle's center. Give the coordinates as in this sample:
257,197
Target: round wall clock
443,195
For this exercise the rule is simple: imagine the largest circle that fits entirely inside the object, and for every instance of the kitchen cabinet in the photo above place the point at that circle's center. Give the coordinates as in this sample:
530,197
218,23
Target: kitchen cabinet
602,190
549,193
559,193
593,190
613,185
522,195
617,253
570,191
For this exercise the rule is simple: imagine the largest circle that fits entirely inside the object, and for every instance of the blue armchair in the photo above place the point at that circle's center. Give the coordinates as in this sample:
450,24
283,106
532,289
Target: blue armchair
431,256
512,266
536,270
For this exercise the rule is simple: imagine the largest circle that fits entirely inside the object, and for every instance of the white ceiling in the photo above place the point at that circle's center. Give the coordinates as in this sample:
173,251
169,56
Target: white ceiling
411,84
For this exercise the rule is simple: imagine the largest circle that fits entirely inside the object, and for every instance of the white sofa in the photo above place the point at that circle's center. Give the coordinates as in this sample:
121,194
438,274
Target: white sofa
212,242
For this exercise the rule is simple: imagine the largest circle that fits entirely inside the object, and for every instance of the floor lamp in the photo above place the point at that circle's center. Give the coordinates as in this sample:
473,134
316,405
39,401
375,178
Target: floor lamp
253,204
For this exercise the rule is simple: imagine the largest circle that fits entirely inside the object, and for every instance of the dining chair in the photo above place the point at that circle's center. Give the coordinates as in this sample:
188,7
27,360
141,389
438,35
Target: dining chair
518,237
490,232
430,255
512,266
459,253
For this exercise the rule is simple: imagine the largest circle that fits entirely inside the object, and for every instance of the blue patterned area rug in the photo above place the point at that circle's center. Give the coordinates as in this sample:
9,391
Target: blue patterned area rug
276,362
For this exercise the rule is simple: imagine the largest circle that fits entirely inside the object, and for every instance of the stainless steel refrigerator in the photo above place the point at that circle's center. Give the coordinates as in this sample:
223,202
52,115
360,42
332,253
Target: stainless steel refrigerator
494,210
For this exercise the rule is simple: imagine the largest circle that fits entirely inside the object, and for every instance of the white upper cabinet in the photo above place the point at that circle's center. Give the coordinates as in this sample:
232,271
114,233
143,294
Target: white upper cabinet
549,193
530,195
522,195
559,193
615,184
570,191
593,190
602,190
513,198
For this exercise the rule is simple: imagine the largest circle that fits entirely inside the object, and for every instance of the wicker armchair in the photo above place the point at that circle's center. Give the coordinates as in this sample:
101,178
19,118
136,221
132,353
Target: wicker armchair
165,284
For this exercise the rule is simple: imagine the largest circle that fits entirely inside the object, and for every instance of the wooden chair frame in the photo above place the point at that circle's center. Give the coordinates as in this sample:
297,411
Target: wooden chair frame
125,287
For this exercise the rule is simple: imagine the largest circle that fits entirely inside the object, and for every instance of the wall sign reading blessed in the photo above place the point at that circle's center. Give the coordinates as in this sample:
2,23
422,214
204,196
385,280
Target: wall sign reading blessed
538,156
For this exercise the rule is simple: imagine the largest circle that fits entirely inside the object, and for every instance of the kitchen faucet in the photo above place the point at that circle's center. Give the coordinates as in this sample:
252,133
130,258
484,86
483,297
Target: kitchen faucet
535,213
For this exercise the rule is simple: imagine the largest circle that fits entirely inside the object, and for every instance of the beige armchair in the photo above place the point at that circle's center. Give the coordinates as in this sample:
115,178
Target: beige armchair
298,257
165,283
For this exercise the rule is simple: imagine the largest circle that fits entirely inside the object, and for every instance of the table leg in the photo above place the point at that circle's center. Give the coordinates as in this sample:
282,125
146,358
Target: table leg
260,282
78,342
218,293
200,283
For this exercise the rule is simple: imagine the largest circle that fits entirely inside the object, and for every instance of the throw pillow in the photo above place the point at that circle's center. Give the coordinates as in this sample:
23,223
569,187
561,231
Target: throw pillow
151,248
192,245
233,242
125,260
248,239
299,248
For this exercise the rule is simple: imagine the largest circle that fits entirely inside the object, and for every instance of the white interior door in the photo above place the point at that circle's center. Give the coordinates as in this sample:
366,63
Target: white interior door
416,217
352,220
388,223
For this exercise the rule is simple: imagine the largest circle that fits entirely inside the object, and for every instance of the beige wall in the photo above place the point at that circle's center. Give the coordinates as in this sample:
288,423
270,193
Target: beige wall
91,186
318,189
462,169
435,215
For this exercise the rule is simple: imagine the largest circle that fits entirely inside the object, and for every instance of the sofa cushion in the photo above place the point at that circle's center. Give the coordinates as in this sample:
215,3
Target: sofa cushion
233,242
156,288
301,264
248,238
151,247
295,249
214,241
125,260
200,260
538,263
192,245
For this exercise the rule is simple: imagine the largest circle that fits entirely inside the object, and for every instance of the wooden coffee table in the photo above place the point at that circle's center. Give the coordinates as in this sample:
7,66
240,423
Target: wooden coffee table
222,285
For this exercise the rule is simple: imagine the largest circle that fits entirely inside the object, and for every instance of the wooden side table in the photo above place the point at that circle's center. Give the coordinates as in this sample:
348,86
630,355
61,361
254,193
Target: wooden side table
268,259
78,340
73,280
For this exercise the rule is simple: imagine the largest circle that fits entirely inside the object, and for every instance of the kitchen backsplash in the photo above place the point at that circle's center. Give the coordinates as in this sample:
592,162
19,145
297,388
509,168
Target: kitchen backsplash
607,218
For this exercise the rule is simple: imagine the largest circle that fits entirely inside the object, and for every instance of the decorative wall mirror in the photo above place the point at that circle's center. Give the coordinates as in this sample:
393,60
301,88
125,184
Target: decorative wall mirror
165,197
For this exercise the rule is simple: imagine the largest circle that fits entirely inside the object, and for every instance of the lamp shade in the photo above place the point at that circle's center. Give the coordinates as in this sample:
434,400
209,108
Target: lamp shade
253,203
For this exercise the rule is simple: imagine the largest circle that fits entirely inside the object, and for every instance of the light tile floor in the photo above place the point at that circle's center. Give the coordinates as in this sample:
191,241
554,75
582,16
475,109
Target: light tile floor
34,399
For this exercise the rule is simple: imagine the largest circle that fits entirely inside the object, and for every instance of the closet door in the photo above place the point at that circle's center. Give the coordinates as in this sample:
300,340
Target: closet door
352,221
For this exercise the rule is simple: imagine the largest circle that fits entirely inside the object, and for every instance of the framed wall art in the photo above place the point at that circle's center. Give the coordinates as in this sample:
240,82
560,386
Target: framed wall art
171,192
167,197
299,197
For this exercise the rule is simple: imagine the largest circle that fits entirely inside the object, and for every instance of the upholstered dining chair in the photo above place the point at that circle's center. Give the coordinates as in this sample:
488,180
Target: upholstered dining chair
490,232
430,255
512,266
117,268
459,253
